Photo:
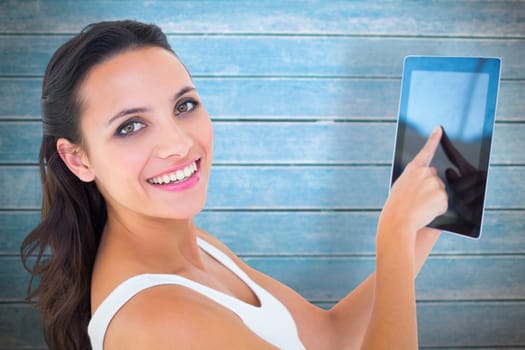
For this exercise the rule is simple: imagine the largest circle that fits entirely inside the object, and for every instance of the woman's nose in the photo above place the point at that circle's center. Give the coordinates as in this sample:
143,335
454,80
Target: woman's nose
173,141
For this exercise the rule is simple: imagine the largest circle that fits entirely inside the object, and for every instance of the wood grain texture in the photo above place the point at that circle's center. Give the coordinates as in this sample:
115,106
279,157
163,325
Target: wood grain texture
329,278
276,98
19,327
443,18
309,233
284,56
304,96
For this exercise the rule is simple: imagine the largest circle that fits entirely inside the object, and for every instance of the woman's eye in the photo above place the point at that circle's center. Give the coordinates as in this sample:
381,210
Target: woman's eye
186,106
130,128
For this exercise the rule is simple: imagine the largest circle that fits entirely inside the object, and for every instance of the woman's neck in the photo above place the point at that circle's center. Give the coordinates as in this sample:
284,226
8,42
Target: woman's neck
156,243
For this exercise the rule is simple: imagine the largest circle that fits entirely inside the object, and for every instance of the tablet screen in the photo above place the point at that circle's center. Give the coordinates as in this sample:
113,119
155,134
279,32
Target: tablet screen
460,94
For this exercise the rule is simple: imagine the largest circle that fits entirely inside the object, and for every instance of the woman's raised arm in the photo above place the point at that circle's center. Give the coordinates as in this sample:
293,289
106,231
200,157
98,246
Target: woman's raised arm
381,312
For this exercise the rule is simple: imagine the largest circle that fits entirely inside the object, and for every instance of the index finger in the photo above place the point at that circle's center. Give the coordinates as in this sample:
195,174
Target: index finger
425,155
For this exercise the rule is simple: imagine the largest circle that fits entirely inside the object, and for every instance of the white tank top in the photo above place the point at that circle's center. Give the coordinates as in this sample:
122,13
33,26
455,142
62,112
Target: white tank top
271,320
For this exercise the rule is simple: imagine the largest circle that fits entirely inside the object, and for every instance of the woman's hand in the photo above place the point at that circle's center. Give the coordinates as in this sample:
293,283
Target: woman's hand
418,195
416,198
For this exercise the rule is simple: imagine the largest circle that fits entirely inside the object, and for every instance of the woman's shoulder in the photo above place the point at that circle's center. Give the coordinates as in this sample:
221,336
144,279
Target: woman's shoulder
158,316
172,315
113,269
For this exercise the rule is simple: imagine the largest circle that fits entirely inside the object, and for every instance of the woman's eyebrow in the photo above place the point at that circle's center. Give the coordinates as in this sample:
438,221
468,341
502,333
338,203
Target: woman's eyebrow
183,91
135,110
128,111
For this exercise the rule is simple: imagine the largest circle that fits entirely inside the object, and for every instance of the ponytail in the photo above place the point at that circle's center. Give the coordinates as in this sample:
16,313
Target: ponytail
64,245
60,252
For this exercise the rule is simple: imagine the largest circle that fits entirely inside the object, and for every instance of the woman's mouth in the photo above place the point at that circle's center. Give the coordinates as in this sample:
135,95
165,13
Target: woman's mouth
176,176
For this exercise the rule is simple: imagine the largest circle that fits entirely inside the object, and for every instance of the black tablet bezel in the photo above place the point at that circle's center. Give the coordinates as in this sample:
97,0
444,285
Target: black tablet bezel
491,66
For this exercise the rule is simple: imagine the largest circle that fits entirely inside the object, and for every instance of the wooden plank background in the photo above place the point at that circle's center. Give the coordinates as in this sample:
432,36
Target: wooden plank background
303,96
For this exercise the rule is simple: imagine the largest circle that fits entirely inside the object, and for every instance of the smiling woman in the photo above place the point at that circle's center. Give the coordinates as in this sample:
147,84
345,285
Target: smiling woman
125,163
142,113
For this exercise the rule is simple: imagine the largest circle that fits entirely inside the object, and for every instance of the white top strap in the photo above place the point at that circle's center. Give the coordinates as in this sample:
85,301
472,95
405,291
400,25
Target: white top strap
271,320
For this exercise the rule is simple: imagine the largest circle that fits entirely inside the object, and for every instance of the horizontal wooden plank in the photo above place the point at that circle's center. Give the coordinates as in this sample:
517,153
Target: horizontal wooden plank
287,187
329,61
20,328
472,18
14,280
442,278
26,193
20,142
490,324
308,233
346,233
331,278
14,228
283,55
283,143
448,325
277,98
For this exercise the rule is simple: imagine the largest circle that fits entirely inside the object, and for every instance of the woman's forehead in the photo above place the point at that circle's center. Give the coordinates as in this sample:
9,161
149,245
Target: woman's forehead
140,73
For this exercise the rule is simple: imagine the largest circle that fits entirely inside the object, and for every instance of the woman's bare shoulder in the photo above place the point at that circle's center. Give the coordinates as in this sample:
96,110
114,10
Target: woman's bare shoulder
169,317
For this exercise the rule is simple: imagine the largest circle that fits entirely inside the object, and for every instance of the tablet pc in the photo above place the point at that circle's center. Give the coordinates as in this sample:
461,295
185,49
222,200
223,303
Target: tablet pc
460,94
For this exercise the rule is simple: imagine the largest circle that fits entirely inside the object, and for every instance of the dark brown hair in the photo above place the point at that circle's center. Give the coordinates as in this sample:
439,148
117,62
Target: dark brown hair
60,251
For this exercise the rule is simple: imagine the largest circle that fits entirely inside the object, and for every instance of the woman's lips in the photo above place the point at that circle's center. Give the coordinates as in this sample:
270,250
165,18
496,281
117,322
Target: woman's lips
178,179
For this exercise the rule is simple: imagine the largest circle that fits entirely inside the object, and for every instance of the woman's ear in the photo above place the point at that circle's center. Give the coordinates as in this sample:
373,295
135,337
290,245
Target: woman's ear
75,159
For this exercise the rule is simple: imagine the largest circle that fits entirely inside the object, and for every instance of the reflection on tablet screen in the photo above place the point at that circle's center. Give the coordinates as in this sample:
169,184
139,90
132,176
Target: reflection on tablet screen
460,95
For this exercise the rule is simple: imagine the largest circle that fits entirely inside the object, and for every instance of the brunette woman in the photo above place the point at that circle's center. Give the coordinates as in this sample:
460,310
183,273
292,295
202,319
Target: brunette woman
125,160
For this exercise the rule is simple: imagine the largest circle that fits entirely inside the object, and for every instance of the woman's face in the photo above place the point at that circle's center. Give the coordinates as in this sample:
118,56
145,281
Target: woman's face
148,139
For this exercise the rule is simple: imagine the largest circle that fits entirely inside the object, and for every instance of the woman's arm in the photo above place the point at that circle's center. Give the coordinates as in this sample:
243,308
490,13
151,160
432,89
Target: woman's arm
351,315
381,311
416,198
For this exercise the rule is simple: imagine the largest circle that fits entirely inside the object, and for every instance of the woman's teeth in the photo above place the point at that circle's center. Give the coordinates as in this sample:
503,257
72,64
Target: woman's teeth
176,176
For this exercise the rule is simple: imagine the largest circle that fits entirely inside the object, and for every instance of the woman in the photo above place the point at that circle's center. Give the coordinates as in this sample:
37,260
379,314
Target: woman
125,160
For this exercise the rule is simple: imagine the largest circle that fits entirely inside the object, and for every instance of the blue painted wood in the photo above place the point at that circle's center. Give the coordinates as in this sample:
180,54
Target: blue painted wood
283,143
276,187
277,98
329,278
443,18
277,67
14,227
19,327
469,324
14,280
346,233
283,55
308,233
